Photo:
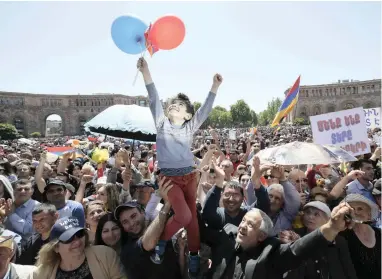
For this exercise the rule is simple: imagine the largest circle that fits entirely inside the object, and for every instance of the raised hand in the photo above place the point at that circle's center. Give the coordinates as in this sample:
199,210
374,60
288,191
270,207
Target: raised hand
355,174
142,65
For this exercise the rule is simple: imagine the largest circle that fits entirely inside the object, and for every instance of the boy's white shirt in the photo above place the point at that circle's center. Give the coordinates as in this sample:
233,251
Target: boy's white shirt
153,207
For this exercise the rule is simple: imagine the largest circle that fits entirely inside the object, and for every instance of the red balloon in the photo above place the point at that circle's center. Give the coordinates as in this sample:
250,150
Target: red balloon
167,32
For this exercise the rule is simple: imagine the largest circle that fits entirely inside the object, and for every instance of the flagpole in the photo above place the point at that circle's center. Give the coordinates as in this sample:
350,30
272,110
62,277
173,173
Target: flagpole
296,106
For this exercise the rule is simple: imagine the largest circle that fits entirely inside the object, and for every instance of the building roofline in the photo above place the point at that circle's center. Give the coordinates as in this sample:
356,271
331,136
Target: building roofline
343,83
99,95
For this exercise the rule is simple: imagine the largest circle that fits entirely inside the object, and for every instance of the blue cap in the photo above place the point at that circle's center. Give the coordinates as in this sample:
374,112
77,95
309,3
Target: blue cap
65,228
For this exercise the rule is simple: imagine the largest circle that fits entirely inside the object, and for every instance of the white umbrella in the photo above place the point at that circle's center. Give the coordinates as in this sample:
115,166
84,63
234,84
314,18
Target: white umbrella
304,153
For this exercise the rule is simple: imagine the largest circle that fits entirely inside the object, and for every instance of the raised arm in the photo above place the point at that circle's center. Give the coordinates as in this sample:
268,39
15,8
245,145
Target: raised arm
155,103
212,214
291,255
151,236
203,112
38,174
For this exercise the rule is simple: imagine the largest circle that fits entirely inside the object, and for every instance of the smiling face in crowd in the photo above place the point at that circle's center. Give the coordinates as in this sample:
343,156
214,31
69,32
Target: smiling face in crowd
111,233
232,199
362,211
249,233
133,221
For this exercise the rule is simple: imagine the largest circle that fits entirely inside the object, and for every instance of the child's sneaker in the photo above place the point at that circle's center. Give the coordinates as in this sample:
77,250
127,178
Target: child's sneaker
158,256
193,265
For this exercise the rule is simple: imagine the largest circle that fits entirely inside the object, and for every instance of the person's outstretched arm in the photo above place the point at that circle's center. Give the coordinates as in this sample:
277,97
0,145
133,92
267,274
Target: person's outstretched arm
155,103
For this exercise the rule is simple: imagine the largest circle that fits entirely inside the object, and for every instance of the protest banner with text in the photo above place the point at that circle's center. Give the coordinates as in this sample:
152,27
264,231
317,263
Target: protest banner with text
373,117
346,128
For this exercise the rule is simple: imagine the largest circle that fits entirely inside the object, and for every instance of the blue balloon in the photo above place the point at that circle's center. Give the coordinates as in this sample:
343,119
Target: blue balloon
128,33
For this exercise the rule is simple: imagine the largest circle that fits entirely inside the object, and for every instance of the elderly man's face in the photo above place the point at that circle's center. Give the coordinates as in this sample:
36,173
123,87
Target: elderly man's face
276,199
299,180
249,235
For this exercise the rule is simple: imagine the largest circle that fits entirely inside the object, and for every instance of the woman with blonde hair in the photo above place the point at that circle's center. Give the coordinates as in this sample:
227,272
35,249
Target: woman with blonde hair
109,194
144,170
69,255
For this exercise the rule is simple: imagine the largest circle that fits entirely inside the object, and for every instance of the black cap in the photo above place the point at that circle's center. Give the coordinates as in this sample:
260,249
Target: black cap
126,205
145,183
65,228
52,182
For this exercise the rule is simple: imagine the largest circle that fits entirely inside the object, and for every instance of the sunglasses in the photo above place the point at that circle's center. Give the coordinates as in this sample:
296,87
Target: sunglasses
79,234
268,176
301,180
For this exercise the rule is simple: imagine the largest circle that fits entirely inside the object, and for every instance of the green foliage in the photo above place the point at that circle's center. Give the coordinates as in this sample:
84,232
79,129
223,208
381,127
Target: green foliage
266,117
197,105
300,121
254,119
35,135
8,131
241,114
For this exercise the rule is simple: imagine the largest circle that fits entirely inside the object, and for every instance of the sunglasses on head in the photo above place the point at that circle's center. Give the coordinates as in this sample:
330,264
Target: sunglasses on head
79,234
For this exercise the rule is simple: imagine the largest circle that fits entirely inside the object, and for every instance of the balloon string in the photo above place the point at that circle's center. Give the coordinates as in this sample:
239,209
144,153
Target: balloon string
143,52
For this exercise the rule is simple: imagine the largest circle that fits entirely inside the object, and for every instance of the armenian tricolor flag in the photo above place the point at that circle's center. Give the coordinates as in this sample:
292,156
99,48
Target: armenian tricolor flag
61,150
150,48
288,104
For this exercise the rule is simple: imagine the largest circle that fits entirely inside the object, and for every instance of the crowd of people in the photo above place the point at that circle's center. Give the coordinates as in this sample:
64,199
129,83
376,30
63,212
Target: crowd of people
208,208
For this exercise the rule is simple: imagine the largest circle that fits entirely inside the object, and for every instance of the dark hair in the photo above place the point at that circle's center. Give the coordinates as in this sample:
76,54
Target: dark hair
144,154
21,182
44,207
357,165
241,175
102,221
184,98
233,185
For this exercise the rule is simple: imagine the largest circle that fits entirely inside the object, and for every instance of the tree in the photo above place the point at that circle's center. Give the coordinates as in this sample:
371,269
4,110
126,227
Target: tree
8,131
241,113
254,118
299,121
197,105
266,117
263,118
35,135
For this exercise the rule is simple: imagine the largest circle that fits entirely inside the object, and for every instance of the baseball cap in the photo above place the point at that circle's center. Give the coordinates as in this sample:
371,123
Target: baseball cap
145,183
7,242
320,206
53,181
65,228
126,205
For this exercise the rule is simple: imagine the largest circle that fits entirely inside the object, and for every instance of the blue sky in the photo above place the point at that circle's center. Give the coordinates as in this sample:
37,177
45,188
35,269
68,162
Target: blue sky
259,47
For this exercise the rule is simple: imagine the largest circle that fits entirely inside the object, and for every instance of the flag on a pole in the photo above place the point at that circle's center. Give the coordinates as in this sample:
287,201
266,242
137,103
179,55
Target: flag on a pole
288,104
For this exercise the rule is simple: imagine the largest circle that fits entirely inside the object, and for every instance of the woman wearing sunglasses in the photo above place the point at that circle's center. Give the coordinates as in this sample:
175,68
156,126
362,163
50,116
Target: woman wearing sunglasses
69,255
